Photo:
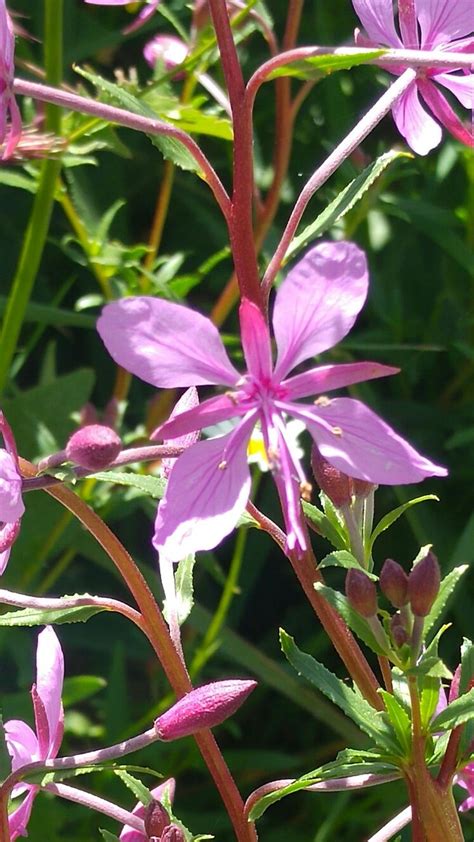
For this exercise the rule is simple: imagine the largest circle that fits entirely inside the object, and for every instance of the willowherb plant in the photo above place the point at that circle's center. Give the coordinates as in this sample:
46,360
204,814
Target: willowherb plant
203,473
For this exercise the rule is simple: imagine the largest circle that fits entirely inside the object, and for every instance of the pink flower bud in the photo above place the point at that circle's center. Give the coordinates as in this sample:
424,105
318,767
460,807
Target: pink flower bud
423,584
93,447
172,833
156,819
362,489
361,593
398,630
336,485
170,50
203,707
394,583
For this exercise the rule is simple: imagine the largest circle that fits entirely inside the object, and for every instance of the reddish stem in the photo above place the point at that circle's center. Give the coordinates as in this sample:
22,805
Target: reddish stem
241,214
450,759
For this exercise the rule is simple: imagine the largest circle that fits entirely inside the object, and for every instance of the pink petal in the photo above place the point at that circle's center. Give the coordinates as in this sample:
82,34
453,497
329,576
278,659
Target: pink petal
442,21
129,834
49,682
146,13
445,114
255,340
189,400
22,743
420,131
165,344
377,19
18,820
4,557
287,474
107,2
212,411
11,503
356,441
328,377
206,493
461,86
318,302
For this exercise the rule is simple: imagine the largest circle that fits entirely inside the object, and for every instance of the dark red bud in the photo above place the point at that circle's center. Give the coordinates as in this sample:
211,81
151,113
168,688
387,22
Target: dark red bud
93,447
156,818
394,583
172,833
361,593
398,630
336,485
423,585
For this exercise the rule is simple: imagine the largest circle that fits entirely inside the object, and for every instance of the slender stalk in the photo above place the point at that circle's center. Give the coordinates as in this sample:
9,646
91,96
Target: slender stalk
35,236
331,164
450,759
136,122
159,219
384,665
241,217
157,632
306,570
100,805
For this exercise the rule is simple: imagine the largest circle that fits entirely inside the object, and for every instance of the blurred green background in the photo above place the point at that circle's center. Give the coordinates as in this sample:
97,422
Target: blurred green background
417,225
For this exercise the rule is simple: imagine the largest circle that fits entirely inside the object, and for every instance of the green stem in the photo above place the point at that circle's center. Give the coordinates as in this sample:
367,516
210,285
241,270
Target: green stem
38,226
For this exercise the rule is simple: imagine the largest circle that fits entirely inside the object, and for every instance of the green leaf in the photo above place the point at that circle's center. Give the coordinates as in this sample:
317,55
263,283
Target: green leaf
344,202
169,147
184,589
80,687
467,665
323,525
12,178
458,712
392,516
399,719
353,620
343,558
148,485
429,699
45,617
430,663
356,707
315,67
47,315
108,837
447,587
139,790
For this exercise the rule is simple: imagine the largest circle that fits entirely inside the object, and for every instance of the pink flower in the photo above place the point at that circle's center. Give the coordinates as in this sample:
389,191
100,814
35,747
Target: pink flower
169,345
147,12
170,50
129,834
11,503
8,107
425,25
465,778
24,745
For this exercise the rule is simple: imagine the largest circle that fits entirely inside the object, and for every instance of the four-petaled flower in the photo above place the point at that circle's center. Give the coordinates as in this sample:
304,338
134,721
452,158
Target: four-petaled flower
146,13
424,25
8,107
23,744
11,503
168,345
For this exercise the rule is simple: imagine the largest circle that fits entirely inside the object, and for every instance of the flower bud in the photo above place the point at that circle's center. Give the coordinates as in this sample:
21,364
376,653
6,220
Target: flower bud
93,447
361,592
170,50
362,489
203,707
172,833
423,585
394,583
156,819
398,631
336,485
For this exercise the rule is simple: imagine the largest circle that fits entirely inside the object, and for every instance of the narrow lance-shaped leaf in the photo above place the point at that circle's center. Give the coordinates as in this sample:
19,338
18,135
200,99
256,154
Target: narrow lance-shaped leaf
447,587
344,202
353,620
314,67
458,712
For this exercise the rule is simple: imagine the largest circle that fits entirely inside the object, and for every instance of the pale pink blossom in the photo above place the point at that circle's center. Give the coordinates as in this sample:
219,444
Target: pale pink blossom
27,746
10,118
169,345
11,503
424,25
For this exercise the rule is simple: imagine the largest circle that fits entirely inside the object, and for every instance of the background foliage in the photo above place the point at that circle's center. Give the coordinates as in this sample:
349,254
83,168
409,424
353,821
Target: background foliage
417,225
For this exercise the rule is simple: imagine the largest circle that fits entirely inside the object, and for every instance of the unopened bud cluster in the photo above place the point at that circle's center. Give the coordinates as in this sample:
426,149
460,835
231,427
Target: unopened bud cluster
411,594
